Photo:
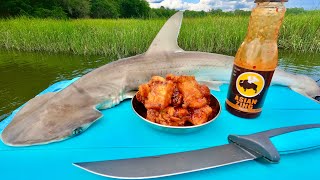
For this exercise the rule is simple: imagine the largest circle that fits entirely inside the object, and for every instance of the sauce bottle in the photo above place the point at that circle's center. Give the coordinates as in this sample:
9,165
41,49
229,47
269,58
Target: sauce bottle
256,60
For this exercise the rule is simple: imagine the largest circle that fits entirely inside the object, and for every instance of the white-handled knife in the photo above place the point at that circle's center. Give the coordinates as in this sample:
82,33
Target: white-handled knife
264,145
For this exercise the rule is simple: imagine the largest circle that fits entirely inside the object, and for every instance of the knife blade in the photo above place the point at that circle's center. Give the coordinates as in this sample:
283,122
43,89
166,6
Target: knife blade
170,164
239,149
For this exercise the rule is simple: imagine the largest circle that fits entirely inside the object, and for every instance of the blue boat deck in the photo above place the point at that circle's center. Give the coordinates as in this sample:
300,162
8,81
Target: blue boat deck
121,134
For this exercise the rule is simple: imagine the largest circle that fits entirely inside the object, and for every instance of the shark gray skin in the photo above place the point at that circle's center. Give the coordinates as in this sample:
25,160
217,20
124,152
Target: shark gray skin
57,116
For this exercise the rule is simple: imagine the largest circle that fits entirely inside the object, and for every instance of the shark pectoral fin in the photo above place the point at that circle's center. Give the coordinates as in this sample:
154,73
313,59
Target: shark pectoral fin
87,117
302,92
130,94
213,85
167,38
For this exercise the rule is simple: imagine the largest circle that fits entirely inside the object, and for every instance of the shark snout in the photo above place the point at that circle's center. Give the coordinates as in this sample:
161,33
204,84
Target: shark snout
41,127
52,123
24,134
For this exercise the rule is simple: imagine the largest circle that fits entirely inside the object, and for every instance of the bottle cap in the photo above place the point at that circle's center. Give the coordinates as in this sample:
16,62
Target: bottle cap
257,1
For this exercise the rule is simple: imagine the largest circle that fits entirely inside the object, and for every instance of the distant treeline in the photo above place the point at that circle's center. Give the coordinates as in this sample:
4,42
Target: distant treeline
64,9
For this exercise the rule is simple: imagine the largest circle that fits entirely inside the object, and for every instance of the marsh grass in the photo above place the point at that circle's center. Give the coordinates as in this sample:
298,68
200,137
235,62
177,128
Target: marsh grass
301,32
125,37
213,34
221,34
115,38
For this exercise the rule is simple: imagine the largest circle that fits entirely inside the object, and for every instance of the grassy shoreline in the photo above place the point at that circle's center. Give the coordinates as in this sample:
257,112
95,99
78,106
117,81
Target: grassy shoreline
125,37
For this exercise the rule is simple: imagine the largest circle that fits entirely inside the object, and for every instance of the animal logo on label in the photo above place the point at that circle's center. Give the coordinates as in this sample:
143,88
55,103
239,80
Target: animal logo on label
250,84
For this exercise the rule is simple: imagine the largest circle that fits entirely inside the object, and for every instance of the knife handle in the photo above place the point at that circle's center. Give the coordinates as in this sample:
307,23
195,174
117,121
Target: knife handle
270,144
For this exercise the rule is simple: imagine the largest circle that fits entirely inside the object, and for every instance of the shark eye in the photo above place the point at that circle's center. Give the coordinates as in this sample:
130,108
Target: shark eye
77,131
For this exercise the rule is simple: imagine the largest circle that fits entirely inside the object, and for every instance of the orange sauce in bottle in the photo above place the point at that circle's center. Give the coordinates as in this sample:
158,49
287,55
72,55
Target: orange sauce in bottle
256,60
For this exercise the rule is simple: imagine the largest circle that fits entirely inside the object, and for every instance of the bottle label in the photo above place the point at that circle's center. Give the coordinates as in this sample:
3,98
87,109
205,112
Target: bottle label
248,88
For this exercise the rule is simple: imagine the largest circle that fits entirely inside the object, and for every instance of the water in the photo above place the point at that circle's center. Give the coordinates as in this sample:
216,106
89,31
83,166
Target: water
301,63
23,75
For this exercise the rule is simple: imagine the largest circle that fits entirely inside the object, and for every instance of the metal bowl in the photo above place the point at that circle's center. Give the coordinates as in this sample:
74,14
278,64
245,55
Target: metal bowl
141,111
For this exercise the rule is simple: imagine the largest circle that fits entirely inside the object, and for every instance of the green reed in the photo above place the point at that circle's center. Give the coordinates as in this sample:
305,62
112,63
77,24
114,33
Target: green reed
125,37
115,38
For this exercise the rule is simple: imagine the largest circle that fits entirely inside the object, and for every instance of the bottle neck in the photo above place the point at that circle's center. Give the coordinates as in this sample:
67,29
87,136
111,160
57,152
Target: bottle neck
265,21
259,51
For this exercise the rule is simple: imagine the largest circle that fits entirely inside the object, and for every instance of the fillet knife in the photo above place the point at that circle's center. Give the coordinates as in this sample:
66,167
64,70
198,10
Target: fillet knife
266,145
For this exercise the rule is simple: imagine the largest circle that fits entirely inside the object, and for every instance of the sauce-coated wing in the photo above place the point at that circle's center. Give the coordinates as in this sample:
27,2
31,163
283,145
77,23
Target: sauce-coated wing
191,91
160,94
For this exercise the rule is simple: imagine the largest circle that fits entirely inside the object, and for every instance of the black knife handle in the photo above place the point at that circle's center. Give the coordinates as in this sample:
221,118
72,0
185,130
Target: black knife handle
260,143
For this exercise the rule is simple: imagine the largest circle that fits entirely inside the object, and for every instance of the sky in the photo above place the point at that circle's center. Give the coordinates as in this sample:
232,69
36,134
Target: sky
226,5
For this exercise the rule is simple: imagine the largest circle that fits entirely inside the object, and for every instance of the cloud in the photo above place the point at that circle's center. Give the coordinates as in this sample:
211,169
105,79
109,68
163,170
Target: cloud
154,1
171,4
203,5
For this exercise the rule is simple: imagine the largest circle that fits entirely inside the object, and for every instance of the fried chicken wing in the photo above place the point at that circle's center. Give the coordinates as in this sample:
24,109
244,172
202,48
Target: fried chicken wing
205,92
143,92
160,94
201,115
191,91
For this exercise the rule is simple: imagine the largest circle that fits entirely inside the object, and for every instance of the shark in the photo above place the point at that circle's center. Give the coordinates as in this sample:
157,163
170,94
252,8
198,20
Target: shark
61,115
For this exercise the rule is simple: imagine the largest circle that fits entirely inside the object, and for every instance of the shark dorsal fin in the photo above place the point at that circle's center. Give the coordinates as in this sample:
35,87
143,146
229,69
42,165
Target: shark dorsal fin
167,38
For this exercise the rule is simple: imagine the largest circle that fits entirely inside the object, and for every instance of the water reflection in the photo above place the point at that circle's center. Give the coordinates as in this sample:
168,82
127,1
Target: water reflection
301,63
23,75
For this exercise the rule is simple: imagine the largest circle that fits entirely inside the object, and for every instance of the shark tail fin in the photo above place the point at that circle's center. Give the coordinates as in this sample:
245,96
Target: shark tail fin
167,38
